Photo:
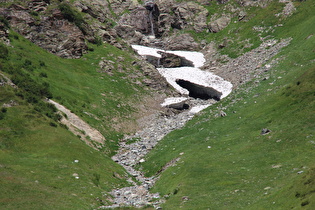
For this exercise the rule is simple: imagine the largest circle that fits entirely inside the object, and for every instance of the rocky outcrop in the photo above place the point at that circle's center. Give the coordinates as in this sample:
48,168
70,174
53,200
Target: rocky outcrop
52,32
191,14
181,42
143,19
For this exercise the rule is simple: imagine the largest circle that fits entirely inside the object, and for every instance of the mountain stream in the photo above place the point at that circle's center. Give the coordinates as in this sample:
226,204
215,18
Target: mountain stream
129,155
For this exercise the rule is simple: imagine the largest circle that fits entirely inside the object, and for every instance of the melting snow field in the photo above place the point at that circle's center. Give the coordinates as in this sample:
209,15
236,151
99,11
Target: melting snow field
191,74
197,76
197,58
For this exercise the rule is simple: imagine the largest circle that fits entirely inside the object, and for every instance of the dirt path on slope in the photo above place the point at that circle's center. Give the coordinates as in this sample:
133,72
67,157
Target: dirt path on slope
77,126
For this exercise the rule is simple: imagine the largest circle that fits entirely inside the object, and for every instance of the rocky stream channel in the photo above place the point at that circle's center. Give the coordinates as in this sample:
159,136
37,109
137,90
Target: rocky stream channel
204,89
199,89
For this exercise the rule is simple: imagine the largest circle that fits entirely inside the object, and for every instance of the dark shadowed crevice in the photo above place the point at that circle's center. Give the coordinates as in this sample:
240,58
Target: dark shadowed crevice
199,91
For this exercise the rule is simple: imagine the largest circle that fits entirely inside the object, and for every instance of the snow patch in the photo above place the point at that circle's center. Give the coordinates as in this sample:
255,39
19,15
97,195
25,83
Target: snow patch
199,108
191,74
173,100
197,76
197,58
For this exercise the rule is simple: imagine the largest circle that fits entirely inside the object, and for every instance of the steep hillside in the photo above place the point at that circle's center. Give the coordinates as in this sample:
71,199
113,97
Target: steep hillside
260,155
251,150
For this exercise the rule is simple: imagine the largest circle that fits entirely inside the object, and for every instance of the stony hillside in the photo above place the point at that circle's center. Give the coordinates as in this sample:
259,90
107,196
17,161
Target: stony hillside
81,115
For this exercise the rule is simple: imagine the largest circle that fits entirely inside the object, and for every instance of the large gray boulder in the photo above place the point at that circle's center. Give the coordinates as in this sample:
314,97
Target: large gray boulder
219,24
168,60
181,42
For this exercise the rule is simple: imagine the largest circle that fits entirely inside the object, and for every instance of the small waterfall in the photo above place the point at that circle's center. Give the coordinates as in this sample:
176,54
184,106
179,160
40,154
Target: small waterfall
153,14
151,22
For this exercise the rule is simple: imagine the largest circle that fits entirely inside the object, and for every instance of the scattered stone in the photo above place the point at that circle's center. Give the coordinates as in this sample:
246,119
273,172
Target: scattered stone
276,166
185,198
223,114
265,131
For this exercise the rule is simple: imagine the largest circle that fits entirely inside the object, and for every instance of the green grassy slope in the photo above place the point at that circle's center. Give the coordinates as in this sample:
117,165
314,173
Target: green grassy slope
102,100
37,163
37,168
227,163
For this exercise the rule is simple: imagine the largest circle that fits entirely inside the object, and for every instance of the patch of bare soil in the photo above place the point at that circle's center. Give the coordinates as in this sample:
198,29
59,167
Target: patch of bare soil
76,125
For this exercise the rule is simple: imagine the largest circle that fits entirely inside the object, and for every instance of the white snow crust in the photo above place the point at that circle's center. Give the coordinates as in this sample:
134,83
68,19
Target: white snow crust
173,100
198,108
196,57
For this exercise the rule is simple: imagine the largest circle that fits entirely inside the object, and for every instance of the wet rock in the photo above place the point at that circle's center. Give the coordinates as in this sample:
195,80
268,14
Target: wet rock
143,19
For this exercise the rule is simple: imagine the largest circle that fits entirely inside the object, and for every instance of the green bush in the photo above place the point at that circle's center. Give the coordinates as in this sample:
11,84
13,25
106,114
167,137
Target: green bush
5,22
43,74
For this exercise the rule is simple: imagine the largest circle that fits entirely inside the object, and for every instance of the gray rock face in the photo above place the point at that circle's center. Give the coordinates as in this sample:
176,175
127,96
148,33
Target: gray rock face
143,19
181,42
190,14
219,24
128,33
53,33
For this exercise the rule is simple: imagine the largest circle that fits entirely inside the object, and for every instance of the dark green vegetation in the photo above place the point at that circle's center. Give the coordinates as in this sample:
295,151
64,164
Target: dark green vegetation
227,163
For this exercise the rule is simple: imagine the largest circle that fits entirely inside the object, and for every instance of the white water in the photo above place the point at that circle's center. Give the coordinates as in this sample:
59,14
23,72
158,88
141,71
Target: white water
151,22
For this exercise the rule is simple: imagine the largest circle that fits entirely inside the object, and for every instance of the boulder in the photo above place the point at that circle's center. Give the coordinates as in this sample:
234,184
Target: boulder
168,60
199,91
182,42
128,33
219,24
265,131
